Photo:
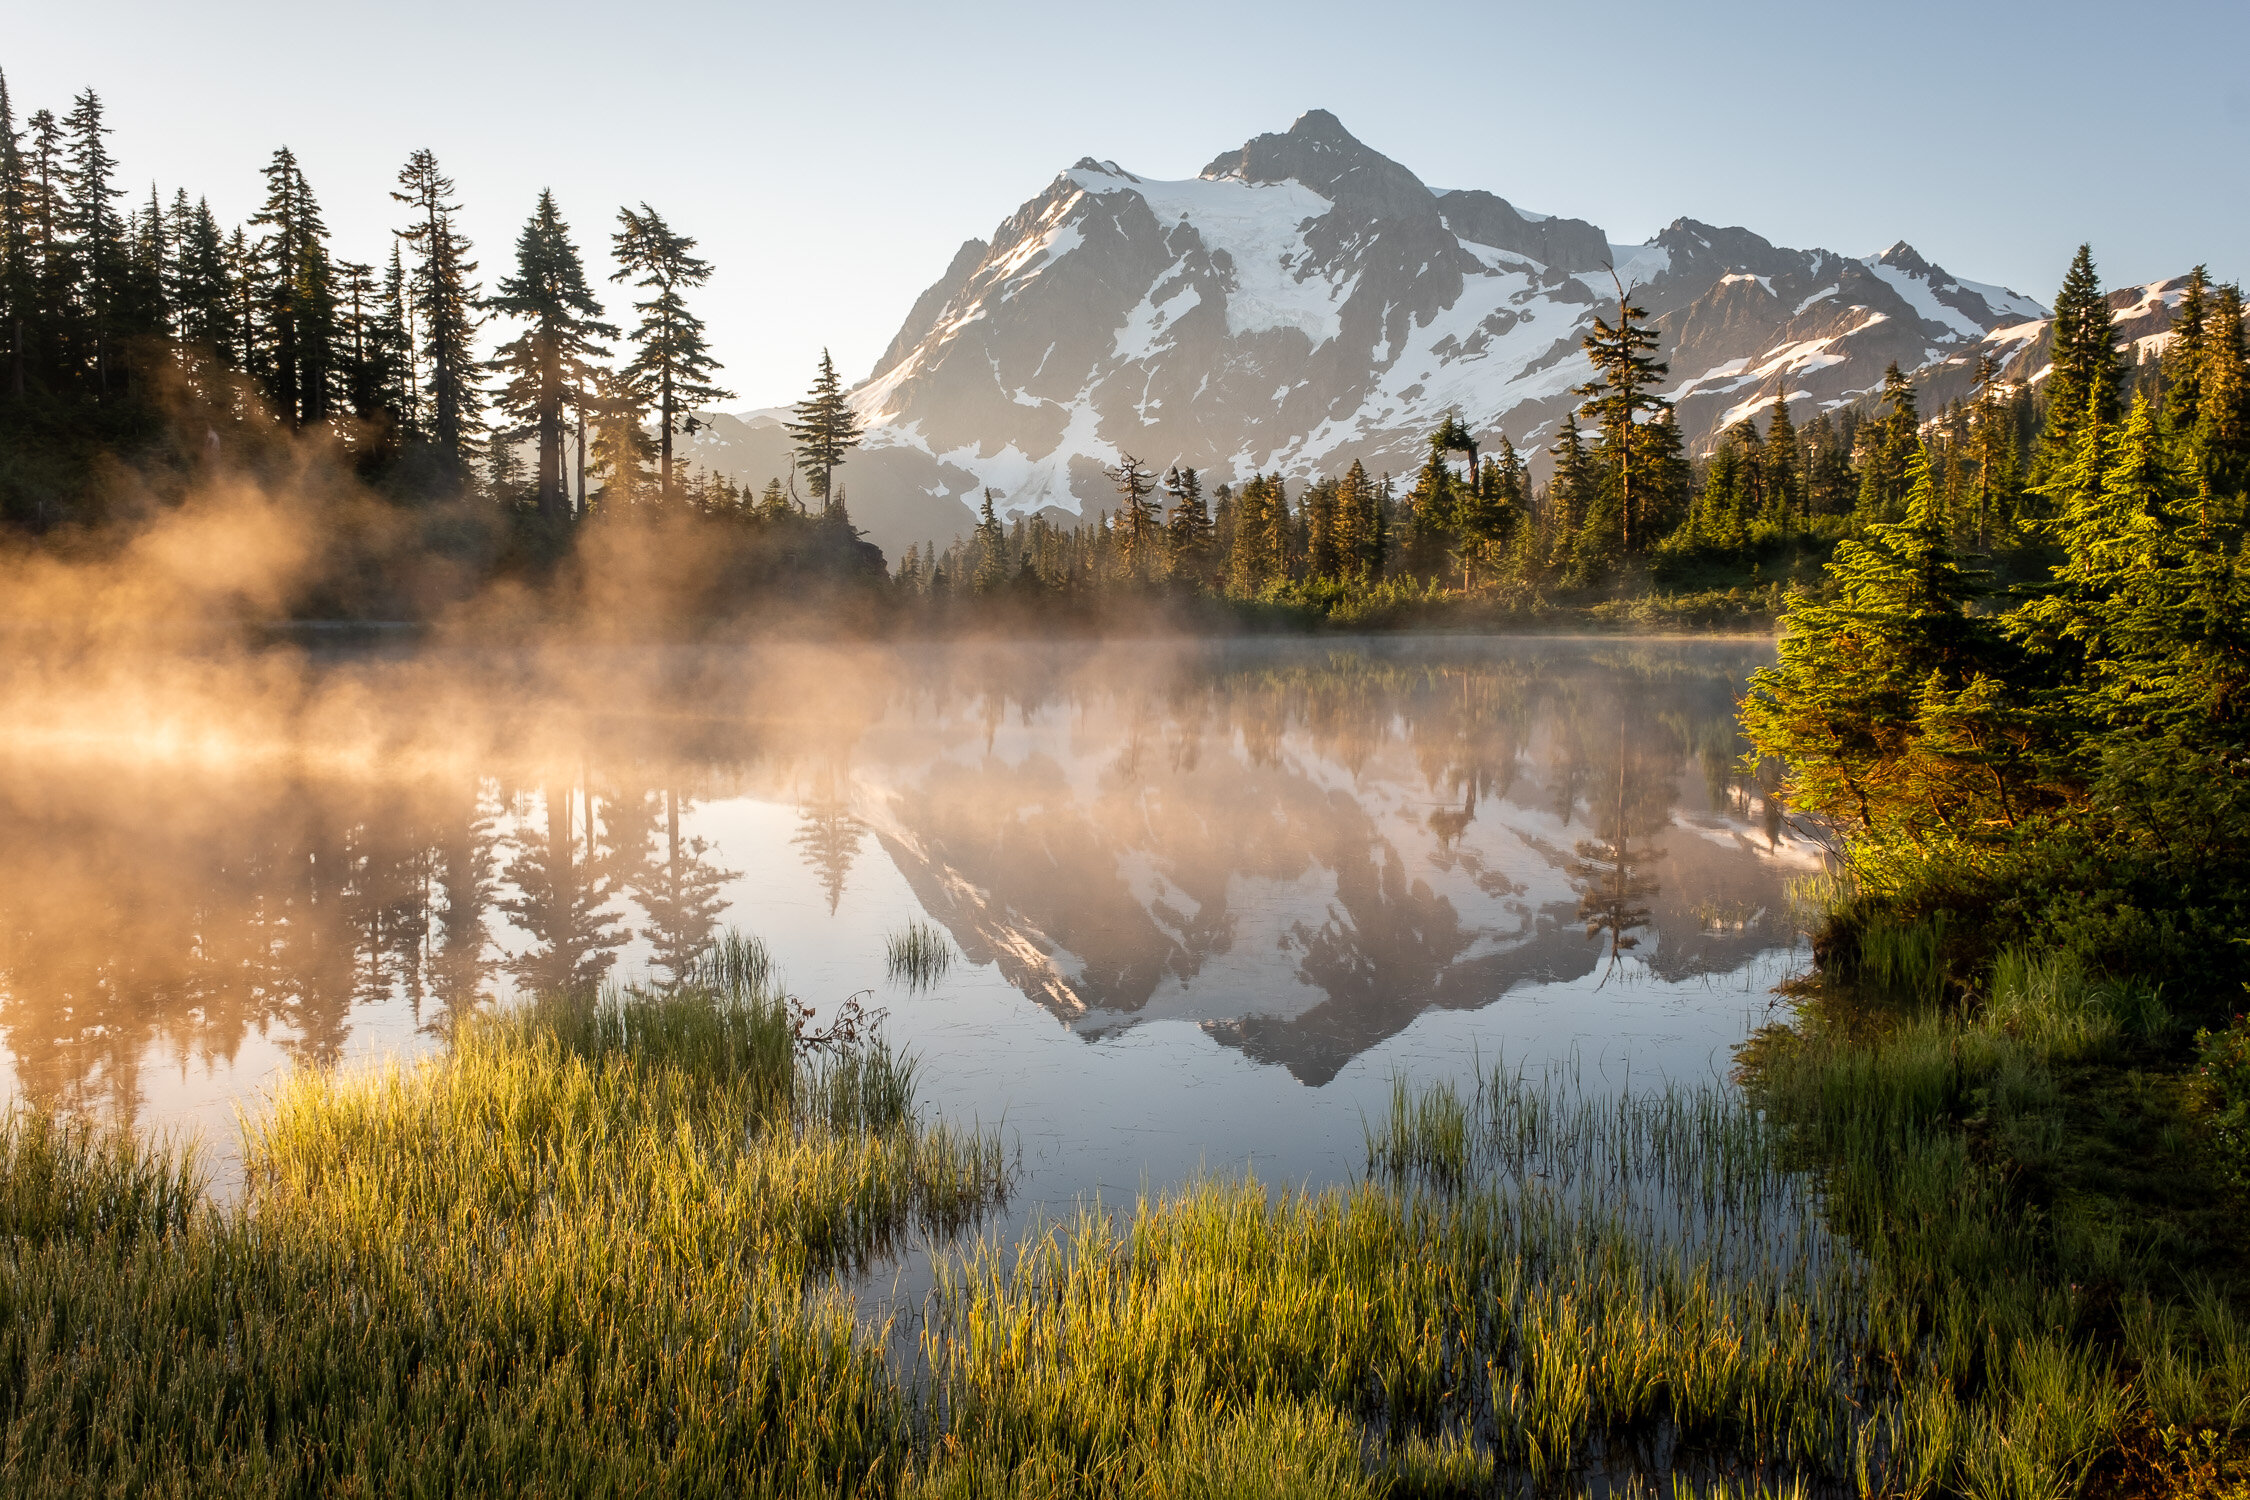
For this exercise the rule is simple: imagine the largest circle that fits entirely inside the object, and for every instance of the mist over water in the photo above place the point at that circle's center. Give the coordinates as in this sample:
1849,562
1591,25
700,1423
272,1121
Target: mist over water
1206,900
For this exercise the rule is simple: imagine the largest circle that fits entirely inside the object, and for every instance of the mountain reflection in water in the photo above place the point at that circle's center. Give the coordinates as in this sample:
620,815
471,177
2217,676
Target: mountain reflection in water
1298,846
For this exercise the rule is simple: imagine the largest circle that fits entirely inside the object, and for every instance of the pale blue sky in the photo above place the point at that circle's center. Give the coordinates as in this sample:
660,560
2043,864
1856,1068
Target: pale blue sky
831,159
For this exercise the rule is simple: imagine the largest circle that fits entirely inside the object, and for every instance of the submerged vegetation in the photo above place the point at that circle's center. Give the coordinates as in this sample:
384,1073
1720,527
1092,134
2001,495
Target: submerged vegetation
918,956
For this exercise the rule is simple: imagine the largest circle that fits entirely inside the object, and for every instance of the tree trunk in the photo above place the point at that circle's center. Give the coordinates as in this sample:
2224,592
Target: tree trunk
664,438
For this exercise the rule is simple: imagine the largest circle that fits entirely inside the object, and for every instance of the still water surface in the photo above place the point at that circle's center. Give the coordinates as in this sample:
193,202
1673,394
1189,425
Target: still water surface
1207,901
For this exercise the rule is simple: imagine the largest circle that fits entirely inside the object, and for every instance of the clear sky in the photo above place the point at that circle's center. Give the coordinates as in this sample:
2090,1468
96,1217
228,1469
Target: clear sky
832,158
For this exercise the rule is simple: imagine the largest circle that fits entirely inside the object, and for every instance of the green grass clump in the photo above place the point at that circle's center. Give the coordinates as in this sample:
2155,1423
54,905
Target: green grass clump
584,1250
919,956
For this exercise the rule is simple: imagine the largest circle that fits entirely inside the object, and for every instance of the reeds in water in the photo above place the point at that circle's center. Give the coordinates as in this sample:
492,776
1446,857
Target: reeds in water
585,1249
591,1246
919,956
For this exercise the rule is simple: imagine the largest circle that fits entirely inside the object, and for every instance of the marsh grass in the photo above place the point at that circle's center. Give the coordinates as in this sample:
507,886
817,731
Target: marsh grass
595,1246
1536,1287
919,956
583,1250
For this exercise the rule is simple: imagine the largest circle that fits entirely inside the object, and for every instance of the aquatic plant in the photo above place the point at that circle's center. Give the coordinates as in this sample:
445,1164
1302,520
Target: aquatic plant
919,955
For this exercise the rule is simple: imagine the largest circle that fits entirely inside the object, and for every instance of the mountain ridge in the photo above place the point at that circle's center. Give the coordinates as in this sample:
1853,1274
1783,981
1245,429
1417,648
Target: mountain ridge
1306,302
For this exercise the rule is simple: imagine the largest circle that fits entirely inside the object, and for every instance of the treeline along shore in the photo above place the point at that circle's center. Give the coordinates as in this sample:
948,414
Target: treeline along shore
152,358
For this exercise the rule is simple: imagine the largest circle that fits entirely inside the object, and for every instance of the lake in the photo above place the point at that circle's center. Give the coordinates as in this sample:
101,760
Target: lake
1205,900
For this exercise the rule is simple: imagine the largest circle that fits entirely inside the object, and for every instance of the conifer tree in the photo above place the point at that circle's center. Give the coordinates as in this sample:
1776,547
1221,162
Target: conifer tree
2083,380
1188,529
144,308
444,302
1992,438
1487,511
1626,373
1259,554
1140,521
1890,702
320,363
1890,444
242,292
672,364
824,428
53,270
395,377
548,365
2157,606
1433,509
2183,359
990,569
621,446
356,305
1570,489
97,233
1453,436
1785,491
1323,559
2222,422
287,222
1360,526
16,279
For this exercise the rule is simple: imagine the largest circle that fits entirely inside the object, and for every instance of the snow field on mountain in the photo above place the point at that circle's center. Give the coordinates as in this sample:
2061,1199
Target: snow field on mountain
1260,227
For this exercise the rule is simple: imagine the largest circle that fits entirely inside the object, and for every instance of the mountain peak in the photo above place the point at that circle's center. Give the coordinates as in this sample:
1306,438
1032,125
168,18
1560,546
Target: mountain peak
1319,124
1319,152
1906,258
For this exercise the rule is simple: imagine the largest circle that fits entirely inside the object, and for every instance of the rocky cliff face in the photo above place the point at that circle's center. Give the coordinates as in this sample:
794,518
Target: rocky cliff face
1307,301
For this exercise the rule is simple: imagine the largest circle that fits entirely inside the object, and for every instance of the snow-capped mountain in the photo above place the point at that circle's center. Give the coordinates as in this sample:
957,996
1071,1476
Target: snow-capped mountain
1306,301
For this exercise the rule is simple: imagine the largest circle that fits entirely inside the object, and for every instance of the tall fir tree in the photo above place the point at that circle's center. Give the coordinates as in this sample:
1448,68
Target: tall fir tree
97,236
1785,487
1993,449
1140,520
823,429
2222,423
1890,445
1323,561
444,301
242,299
989,570
548,366
17,284
671,363
1188,529
52,332
1361,538
2183,358
1433,509
283,224
1623,388
392,356
2082,384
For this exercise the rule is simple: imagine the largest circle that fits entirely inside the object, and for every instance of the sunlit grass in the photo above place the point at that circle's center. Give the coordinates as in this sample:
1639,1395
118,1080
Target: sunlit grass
583,1250
595,1245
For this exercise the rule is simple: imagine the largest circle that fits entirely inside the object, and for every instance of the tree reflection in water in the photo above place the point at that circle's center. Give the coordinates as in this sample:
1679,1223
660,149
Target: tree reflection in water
1300,847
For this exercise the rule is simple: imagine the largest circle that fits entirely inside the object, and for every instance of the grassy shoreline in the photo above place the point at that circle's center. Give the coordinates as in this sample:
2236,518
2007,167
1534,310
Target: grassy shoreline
591,1248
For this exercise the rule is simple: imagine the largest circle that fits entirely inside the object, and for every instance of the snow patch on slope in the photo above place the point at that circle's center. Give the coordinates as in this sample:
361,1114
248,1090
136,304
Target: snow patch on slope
1919,296
1260,226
